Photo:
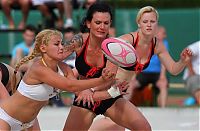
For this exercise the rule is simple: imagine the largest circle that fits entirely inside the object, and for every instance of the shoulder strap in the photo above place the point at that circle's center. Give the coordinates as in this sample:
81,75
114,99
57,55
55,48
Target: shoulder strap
133,38
155,41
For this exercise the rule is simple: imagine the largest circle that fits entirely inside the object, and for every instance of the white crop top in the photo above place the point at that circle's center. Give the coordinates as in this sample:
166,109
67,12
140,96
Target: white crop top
39,92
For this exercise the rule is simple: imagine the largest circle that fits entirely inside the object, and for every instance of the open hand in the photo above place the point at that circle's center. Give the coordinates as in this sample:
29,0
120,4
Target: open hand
186,55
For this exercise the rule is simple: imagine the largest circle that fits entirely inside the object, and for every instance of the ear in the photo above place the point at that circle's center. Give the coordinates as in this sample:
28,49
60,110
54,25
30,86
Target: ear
139,25
88,24
43,48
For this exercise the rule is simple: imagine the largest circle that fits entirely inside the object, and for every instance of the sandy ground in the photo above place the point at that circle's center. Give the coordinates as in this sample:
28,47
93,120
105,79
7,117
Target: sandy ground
176,119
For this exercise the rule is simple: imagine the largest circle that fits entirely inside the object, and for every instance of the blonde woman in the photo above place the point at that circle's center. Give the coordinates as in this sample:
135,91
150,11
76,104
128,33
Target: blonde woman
43,80
146,44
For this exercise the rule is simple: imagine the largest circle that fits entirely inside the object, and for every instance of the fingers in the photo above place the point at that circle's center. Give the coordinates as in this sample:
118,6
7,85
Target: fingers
86,99
186,52
107,74
123,86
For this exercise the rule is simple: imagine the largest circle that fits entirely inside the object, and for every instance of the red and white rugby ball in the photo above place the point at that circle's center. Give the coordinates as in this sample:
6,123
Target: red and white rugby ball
119,52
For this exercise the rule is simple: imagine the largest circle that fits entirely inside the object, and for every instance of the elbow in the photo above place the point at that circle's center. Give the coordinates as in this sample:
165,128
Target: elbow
174,74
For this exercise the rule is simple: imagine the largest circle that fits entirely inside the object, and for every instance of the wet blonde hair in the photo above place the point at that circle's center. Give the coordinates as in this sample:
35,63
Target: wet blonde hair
146,9
41,38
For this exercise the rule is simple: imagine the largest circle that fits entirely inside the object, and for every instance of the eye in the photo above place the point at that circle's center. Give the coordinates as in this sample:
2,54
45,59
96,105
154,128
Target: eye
106,23
56,44
153,21
145,21
98,22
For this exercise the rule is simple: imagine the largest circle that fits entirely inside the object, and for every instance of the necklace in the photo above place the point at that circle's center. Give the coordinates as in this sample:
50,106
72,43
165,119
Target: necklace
44,63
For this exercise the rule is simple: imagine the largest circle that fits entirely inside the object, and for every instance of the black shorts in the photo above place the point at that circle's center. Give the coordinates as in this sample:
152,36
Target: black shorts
100,107
146,78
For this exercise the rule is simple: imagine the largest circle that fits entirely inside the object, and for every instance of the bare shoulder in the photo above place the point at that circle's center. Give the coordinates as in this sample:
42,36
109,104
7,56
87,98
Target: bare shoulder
66,69
85,36
159,47
63,66
129,37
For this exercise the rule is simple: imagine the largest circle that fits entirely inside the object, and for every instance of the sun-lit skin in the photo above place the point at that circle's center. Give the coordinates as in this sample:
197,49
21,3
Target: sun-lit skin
55,43
148,23
100,25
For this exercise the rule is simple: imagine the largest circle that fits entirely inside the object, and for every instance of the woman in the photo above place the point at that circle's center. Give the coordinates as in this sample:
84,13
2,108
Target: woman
144,40
89,63
6,73
43,80
5,76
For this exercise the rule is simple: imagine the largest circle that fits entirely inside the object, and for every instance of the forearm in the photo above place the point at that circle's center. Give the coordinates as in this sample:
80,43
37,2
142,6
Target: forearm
190,69
103,86
162,72
79,85
101,95
177,67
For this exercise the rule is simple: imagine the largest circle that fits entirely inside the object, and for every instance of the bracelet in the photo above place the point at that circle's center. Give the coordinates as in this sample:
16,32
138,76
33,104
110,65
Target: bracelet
113,91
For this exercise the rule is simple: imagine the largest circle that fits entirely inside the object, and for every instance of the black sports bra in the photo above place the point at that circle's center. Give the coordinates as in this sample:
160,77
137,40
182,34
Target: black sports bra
84,68
138,67
5,74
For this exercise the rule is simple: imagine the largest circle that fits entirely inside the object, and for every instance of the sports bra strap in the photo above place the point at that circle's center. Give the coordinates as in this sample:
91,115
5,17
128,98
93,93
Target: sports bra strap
133,38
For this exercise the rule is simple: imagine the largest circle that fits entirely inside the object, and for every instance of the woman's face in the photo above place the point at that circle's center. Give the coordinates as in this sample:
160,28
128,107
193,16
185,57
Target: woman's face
100,24
54,49
148,23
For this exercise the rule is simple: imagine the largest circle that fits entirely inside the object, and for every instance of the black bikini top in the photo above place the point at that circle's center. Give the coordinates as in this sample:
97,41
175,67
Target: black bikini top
86,69
138,67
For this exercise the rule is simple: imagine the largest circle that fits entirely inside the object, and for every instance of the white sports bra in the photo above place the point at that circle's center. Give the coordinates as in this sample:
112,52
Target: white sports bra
39,92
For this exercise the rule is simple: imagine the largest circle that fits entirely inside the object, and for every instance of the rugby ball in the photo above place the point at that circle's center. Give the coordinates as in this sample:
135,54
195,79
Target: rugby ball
119,52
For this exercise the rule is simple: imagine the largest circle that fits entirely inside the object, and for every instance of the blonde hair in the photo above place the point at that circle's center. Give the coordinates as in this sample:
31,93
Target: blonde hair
146,9
42,37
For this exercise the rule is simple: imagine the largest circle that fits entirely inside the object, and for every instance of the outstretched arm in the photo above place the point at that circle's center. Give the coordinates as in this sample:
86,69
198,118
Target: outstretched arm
173,67
54,79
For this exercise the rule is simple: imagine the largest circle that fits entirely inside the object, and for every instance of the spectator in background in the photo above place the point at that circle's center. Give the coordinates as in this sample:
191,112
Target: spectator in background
155,73
68,35
68,12
23,48
6,8
191,75
50,18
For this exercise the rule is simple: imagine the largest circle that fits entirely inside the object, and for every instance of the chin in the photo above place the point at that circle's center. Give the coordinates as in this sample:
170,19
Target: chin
101,36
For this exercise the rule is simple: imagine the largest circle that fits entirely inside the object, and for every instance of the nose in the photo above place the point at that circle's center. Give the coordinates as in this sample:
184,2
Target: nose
102,26
149,24
61,46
